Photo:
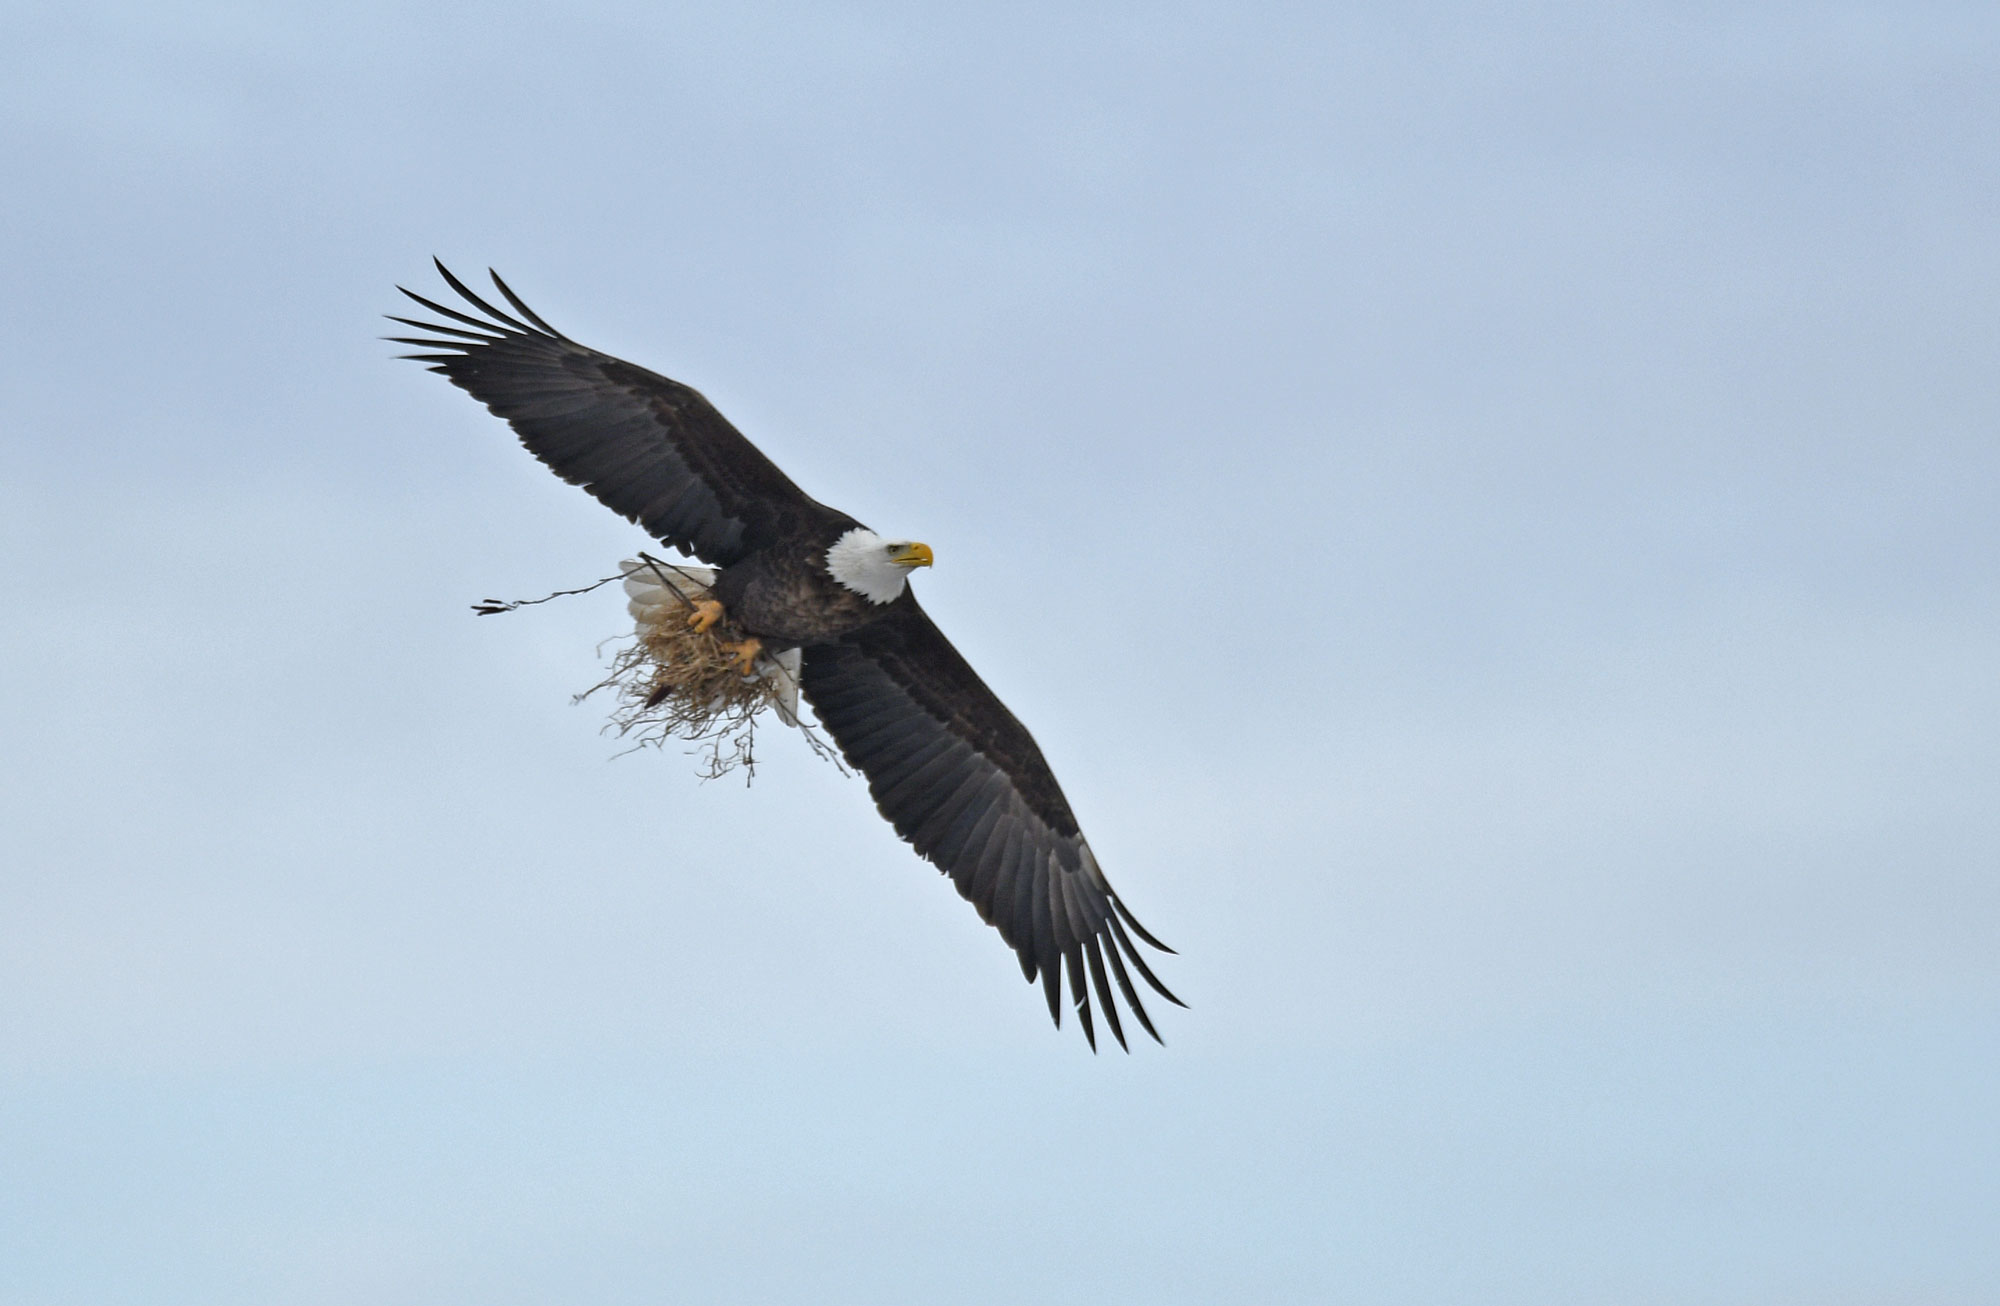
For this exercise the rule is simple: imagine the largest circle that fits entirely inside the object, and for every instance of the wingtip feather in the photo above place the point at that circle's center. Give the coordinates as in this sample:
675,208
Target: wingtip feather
1145,971
1092,953
524,310
1118,905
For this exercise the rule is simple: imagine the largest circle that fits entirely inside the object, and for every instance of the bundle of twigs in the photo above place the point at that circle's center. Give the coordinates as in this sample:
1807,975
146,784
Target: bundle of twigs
670,682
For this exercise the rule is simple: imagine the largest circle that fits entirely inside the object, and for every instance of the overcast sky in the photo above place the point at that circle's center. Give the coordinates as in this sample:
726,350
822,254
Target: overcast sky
1489,510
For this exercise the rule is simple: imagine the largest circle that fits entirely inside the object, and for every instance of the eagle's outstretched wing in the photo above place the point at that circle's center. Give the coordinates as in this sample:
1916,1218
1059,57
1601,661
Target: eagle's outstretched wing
963,781
647,447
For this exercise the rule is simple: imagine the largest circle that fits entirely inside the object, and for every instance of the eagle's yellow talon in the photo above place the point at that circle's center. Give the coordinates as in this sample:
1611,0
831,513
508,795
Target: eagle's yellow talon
745,652
706,613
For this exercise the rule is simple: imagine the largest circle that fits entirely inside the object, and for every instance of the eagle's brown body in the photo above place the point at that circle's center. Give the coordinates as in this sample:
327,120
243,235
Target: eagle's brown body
788,597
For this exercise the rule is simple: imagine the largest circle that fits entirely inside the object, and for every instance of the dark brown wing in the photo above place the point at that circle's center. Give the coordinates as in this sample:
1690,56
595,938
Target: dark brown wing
647,447
962,780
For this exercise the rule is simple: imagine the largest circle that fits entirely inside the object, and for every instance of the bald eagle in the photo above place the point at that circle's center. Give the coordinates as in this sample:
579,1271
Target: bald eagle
950,767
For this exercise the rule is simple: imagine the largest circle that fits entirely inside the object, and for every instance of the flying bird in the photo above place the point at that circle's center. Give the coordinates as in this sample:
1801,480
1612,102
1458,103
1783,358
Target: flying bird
956,774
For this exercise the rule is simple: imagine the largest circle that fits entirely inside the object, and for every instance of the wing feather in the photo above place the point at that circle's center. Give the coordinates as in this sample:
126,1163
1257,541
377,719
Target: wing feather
958,813
1073,961
1097,982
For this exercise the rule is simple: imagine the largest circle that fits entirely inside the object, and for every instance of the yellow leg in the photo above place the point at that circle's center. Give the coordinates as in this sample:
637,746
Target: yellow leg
706,613
745,652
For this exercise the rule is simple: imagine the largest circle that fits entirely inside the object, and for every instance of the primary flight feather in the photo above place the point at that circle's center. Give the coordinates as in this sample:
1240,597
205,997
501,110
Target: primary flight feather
956,774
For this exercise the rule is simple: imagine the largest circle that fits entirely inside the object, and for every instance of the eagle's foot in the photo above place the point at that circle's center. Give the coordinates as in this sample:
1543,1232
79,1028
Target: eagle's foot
706,613
745,652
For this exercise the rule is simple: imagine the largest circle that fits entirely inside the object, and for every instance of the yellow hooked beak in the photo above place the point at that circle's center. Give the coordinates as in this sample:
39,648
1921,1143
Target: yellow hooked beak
912,555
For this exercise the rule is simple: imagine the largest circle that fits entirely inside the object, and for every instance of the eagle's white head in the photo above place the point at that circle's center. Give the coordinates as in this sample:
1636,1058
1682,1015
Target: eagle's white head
875,568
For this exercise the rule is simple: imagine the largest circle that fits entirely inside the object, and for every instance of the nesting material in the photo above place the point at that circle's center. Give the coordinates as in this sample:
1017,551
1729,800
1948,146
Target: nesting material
673,682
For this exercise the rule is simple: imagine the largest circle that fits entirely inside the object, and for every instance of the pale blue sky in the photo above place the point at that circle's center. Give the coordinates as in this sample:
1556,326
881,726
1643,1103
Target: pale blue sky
1489,510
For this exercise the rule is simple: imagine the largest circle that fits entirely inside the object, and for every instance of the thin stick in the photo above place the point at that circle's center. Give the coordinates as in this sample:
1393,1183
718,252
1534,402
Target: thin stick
492,607
654,564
